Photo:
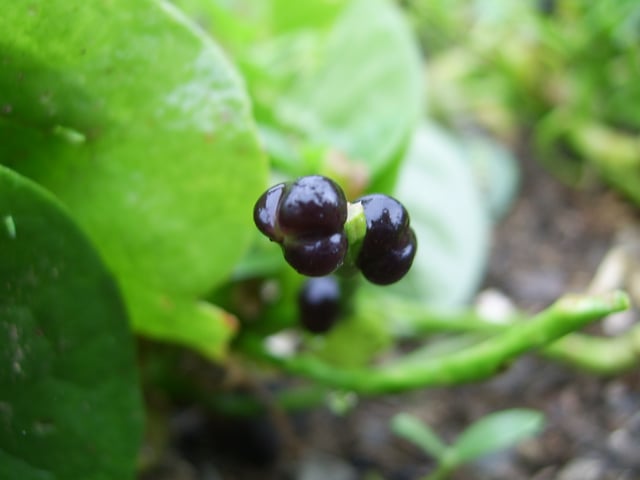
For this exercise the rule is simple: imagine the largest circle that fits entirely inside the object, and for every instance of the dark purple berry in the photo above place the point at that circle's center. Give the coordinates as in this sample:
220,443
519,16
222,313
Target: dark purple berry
319,304
384,268
389,246
266,210
317,256
312,205
386,219
307,218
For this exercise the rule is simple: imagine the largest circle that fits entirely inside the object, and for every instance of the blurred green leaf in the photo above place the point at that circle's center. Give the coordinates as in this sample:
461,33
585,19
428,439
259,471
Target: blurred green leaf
69,401
414,430
495,432
289,15
363,97
323,80
135,119
353,341
239,23
616,155
552,69
495,171
449,217
234,23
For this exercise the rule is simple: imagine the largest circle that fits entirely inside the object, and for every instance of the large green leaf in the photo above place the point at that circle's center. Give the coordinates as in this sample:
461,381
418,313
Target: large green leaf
69,403
323,80
364,95
239,22
449,216
133,117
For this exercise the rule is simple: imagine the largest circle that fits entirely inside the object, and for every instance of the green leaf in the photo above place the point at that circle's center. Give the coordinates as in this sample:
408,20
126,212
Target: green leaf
414,430
289,15
495,432
614,153
135,119
69,401
238,22
449,217
495,171
353,341
364,95
325,81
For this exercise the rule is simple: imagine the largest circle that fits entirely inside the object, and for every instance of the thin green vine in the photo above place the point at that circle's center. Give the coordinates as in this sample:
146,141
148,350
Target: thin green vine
476,362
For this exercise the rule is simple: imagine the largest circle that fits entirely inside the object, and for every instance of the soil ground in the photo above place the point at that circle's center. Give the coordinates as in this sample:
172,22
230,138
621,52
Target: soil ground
552,242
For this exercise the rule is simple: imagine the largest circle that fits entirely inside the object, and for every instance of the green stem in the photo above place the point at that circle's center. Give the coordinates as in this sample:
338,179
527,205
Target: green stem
441,472
356,225
355,228
600,355
473,363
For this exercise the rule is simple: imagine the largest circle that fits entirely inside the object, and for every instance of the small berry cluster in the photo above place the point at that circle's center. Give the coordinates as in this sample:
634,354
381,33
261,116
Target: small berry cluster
307,218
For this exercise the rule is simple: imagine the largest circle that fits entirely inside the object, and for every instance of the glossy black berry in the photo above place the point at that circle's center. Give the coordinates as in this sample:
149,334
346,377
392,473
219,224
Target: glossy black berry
266,210
312,205
384,268
389,245
319,304
307,218
386,219
315,256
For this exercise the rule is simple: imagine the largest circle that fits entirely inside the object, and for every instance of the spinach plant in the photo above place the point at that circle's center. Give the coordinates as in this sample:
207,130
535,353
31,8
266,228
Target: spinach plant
135,139
563,73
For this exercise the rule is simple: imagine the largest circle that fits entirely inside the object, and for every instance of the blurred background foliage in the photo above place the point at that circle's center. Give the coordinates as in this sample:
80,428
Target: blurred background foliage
564,73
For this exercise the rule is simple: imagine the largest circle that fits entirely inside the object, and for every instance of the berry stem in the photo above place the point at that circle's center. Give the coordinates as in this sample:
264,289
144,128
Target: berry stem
356,225
355,228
